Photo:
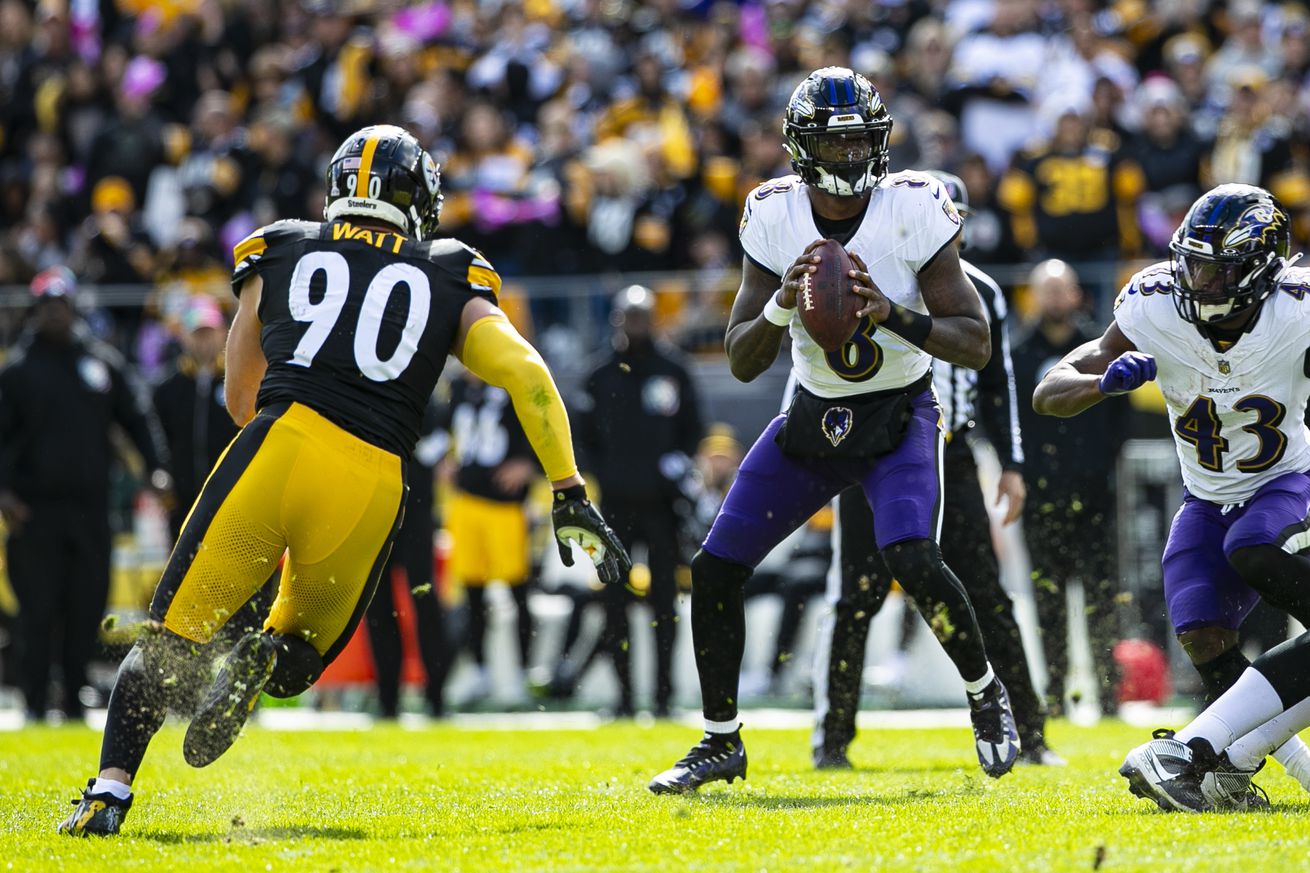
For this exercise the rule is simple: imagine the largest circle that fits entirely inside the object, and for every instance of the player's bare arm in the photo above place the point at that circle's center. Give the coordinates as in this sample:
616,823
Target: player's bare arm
245,356
753,341
1074,384
956,327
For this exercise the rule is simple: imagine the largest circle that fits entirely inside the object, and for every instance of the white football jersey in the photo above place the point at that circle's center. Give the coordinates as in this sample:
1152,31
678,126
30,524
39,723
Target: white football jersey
909,220
1238,415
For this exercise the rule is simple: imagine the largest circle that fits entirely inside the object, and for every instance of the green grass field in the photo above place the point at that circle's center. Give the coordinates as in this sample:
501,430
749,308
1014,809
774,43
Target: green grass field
453,799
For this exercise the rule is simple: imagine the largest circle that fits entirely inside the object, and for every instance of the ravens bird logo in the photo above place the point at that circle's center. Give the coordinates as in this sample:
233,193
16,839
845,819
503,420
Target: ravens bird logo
836,424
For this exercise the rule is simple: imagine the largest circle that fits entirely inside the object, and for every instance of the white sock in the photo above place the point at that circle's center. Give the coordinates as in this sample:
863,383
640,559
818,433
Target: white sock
1277,736
1251,702
112,786
722,727
976,686
1297,762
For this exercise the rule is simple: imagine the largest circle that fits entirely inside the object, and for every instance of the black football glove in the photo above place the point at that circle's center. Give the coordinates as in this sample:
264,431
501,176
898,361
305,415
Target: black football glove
577,521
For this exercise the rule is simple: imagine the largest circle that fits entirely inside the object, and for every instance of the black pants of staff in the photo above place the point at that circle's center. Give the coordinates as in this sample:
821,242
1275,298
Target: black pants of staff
1070,534
967,548
59,569
655,525
412,553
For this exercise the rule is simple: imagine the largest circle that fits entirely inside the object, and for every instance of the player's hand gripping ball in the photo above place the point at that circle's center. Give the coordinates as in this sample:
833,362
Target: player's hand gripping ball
827,305
1128,372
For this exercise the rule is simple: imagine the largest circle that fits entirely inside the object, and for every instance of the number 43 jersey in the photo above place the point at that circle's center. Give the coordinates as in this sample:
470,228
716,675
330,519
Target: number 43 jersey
1238,412
357,322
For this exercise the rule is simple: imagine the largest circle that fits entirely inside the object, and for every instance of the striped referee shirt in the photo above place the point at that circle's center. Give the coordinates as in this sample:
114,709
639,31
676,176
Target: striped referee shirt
984,397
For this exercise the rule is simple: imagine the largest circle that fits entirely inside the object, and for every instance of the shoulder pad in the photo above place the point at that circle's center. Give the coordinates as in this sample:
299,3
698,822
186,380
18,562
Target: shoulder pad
780,185
466,263
1155,280
247,253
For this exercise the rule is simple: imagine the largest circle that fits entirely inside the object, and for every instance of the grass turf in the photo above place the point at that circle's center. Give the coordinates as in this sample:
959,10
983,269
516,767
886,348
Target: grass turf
449,799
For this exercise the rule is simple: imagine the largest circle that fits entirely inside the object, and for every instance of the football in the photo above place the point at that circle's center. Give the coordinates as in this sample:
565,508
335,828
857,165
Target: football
826,303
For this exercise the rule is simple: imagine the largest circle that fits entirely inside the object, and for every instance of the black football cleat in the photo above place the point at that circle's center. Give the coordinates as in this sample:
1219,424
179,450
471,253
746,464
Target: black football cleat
1165,771
230,699
994,732
1227,787
716,757
832,759
98,815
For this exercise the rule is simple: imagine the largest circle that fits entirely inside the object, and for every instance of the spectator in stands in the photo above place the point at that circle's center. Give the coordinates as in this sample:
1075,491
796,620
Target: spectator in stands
1254,141
61,393
639,427
1069,516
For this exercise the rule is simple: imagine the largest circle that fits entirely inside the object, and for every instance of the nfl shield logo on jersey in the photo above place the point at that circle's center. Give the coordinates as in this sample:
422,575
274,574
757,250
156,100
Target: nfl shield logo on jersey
1224,368
836,424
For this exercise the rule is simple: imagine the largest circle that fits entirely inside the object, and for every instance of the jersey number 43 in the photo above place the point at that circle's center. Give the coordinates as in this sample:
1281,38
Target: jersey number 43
1200,426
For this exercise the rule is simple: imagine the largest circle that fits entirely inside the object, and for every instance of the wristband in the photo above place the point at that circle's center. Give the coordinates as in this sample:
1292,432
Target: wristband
573,492
776,313
911,326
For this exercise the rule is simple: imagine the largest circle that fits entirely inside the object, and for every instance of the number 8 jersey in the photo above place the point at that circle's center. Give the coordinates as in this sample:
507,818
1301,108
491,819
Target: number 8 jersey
357,322
909,220
1237,411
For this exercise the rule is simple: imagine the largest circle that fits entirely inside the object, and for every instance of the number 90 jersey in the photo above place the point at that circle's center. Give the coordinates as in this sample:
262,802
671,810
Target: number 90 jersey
1238,414
908,221
357,322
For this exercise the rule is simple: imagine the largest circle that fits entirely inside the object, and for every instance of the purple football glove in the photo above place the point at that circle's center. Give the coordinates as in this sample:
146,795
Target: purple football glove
1128,372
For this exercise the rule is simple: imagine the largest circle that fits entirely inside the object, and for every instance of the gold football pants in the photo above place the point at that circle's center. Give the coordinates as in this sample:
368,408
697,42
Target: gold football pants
290,482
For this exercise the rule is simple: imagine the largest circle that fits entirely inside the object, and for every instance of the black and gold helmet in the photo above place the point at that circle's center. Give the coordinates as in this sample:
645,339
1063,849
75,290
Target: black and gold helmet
382,172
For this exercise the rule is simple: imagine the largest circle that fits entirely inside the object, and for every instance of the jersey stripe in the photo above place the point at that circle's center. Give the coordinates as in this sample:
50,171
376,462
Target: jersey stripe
484,279
365,166
251,246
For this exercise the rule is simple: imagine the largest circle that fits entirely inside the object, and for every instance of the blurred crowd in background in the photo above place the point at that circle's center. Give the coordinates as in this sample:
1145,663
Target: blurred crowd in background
601,138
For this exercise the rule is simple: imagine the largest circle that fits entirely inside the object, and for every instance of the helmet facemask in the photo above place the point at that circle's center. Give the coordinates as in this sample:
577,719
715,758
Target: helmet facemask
841,160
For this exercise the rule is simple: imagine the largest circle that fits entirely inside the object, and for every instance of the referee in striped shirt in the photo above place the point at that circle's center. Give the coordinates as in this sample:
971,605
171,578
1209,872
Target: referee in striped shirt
969,399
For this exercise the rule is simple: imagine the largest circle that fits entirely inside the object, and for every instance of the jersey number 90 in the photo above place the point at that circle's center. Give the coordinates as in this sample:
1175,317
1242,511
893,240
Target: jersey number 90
322,316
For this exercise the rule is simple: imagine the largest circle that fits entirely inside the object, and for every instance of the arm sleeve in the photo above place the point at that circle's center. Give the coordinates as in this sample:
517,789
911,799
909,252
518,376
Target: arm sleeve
935,220
496,353
245,258
754,232
998,401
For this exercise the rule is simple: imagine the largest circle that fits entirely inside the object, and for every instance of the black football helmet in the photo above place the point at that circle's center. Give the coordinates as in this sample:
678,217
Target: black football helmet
1228,253
837,131
382,172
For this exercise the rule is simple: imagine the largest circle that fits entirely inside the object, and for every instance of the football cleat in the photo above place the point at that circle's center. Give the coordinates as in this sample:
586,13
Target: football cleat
1227,787
832,759
230,700
1165,770
715,757
100,814
994,733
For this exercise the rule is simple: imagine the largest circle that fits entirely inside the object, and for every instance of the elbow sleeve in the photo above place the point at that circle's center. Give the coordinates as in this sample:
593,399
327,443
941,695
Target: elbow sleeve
496,353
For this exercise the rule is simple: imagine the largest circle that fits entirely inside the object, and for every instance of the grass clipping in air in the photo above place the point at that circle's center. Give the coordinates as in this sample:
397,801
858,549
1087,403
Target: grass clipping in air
451,799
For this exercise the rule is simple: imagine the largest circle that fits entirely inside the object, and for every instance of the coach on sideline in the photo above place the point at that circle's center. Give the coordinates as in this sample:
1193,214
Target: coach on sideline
60,394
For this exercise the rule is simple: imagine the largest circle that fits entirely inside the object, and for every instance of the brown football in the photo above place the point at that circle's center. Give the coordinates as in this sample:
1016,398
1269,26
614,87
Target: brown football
826,303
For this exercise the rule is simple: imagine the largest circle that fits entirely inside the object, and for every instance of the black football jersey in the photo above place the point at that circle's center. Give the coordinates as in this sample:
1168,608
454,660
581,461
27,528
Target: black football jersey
357,322
486,434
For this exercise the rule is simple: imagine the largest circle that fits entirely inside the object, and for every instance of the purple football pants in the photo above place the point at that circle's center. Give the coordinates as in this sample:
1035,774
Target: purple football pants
1201,587
774,493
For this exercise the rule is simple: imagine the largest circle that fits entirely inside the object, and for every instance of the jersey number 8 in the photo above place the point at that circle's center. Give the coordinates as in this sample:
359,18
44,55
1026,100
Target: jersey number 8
322,316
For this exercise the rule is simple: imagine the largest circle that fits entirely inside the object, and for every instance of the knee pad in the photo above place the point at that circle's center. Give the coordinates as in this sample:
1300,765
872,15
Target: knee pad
913,559
298,666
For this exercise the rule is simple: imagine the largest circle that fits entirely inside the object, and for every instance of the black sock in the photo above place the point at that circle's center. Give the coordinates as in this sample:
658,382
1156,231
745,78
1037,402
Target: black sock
718,631
941,600
157,673
1219,674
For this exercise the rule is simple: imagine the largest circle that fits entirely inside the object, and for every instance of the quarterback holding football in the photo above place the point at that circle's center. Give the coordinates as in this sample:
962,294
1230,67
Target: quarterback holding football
865,412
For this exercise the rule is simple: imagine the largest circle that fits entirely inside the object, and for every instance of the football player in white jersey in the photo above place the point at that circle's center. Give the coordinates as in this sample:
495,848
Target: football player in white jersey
1224,327
865,414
